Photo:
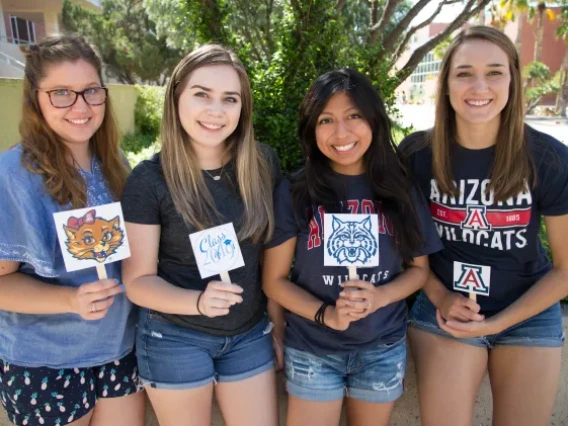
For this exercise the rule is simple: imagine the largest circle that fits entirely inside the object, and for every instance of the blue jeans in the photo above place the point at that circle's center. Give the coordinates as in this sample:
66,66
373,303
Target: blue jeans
372,375
173,357
544,329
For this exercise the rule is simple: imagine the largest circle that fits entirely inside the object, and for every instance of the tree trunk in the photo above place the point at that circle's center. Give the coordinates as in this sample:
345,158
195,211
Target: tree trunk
563,93
539,31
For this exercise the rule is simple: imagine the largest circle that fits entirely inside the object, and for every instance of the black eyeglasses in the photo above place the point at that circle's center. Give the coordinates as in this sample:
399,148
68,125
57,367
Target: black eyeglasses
65,98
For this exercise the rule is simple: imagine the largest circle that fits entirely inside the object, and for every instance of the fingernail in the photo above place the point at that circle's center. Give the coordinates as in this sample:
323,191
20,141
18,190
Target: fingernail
117,281
123,287
341,284
342,294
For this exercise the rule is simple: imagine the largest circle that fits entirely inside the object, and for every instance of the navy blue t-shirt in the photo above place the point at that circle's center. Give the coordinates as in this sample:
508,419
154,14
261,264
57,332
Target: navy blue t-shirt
386,325
492,246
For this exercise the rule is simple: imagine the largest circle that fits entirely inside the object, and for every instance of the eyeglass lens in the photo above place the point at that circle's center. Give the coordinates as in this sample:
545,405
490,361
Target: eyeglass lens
65,98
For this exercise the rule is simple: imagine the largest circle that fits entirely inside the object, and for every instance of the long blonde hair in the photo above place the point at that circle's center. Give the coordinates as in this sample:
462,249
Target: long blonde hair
190,195
513,166
44,151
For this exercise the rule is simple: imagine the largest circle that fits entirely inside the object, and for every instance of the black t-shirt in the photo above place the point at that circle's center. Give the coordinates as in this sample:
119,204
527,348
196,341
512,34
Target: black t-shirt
147,200
494,246
386,325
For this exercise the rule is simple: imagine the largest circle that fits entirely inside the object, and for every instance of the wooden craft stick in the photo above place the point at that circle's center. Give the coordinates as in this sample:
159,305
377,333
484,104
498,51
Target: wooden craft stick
473,297
101,272
352,272
225,277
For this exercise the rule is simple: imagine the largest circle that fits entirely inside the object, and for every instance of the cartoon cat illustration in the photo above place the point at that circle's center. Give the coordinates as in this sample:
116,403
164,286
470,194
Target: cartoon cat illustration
352,241
91,237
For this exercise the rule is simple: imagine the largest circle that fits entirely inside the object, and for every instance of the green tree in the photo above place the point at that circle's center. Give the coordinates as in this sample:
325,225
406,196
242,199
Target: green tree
126,39
562,32
538,83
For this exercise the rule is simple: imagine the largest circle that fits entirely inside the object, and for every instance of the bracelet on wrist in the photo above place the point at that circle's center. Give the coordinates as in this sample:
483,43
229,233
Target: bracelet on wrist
319,317
197,304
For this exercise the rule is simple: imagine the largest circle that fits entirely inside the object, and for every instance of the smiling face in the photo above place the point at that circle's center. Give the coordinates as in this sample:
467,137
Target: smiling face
210,107
75,125
478,83
343,135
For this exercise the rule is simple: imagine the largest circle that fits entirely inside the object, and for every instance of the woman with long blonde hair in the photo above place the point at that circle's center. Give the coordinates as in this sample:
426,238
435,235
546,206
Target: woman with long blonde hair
195,334
62,333
489,179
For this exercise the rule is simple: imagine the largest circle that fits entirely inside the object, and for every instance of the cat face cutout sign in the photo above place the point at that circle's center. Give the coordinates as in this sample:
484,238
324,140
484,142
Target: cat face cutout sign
92,237
351,240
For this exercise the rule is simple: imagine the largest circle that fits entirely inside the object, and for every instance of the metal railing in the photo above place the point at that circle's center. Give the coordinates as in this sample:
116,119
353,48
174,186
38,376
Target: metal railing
14,62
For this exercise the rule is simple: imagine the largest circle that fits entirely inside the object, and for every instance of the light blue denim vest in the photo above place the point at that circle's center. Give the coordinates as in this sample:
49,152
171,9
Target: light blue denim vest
28,236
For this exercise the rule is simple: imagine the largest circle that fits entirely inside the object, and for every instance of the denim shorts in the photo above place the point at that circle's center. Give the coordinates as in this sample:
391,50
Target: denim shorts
372,375
544,329
174,357
52,397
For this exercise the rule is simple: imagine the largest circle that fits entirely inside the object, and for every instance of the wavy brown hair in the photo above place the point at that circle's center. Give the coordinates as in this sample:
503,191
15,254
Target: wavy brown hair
190,195
44,152
513,166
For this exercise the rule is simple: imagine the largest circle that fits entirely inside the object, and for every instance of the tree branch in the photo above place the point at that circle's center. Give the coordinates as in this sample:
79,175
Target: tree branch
419,53
374,6
339,5
402,46
389,40
379,27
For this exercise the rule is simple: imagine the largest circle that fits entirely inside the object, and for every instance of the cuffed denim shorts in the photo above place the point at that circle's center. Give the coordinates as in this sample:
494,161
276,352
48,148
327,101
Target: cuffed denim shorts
173,357
544,329
372,375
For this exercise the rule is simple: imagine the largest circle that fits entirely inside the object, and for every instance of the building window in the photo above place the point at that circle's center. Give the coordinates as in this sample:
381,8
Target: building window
23,31
429,67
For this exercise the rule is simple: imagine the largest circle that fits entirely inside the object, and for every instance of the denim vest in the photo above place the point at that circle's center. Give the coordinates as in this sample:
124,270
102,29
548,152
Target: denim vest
28,236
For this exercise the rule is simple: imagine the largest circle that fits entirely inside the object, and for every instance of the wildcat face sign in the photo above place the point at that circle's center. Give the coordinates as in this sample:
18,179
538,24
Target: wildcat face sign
216,250
92,236
351,240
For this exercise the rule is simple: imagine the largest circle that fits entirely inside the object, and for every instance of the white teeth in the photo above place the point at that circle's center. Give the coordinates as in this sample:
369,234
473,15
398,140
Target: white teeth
211,126
479,103
343,148
82,121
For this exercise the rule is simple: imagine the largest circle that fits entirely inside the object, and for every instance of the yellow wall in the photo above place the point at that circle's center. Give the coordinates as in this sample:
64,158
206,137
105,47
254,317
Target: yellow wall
123,100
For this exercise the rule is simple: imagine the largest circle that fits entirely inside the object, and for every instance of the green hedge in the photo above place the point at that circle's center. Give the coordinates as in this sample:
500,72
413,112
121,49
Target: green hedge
149,110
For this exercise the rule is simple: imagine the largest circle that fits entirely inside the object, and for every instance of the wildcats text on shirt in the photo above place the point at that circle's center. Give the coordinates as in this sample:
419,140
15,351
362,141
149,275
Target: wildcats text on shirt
475,218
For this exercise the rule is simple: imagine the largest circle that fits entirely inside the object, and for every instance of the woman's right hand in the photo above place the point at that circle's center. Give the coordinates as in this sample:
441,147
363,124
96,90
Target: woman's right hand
92,300
218,298
455,306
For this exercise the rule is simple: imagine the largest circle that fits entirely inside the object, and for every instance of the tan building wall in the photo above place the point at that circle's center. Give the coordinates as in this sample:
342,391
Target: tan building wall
123,99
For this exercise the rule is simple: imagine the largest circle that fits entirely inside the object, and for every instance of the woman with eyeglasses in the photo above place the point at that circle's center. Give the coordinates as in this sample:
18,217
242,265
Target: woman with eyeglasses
66,338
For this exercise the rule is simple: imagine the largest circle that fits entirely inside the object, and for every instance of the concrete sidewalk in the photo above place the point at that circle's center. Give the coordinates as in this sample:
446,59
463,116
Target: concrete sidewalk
406,411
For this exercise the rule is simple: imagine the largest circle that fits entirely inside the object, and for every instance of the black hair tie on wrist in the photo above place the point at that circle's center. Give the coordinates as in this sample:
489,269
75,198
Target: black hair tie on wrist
320,313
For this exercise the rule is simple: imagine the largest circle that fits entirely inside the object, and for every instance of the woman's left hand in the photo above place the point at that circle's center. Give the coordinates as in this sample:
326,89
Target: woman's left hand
463,330
363,296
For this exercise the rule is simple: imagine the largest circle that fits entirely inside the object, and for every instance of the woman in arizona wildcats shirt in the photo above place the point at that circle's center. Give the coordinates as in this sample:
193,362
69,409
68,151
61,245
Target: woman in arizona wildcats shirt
489,178
346,338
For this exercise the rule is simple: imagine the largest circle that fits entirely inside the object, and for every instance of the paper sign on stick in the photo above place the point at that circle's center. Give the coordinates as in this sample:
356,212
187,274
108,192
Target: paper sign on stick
473,279
351,240
92,237
217,251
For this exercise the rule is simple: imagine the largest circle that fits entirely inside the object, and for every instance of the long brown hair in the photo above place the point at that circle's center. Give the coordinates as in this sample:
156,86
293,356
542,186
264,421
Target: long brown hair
44,151
513,167
180,166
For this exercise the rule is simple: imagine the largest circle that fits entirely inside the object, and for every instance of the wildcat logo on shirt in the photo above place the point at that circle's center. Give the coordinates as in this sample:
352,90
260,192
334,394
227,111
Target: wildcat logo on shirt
472,278
315,236
352,241
91,237
474,217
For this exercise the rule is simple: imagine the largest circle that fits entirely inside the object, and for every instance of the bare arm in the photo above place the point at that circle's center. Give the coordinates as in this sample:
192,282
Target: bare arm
145,288
277,286
364,295
548,290
24,294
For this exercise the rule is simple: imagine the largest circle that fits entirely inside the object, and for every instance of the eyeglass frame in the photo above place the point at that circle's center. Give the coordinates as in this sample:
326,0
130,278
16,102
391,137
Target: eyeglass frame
77,94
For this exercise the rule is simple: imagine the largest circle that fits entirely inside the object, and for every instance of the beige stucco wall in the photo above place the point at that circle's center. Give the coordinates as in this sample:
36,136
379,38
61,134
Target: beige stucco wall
123,100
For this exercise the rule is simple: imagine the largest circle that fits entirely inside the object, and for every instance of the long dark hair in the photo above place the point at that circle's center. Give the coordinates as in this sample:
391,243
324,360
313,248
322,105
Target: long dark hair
384,167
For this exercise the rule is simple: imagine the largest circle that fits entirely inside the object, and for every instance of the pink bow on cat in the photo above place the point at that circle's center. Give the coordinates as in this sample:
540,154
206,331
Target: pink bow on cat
77,222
